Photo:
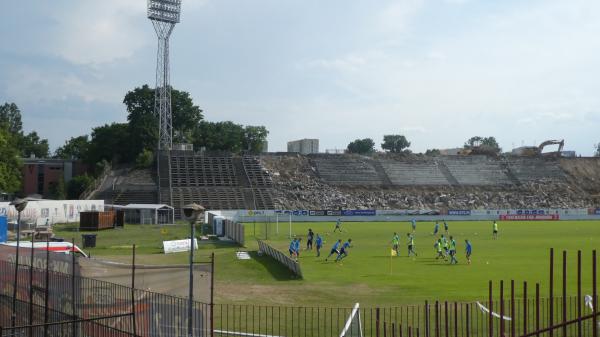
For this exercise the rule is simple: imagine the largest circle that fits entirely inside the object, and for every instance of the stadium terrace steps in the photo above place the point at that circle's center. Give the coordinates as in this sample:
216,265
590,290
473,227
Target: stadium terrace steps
191,170
352,170
477,171
257,175
423,173
344,170
210,197
222,182
446,172
536,169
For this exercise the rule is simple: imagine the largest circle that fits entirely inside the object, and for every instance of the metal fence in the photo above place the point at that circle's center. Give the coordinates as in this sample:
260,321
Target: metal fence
81,327
280,257
65,300
44,296
235,231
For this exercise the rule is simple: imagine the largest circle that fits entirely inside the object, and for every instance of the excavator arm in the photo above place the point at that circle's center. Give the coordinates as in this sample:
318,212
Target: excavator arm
560,143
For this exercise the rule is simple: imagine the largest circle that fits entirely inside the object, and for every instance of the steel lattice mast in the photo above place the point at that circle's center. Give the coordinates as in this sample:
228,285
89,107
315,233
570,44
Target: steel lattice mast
164,14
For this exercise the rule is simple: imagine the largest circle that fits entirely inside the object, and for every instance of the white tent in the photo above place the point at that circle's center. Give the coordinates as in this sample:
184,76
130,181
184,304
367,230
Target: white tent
148,213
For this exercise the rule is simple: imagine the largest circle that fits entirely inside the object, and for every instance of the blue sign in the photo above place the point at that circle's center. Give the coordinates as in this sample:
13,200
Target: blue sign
334,213
317,213
3,229
459,212
597,211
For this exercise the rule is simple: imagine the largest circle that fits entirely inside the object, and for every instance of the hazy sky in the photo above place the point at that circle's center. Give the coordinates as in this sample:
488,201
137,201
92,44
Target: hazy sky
438,71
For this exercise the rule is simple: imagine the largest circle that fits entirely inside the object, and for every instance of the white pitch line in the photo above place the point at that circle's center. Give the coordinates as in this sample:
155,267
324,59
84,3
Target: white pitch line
234,333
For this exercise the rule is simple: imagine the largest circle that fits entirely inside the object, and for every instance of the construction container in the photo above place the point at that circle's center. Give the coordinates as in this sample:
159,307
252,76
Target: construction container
93,221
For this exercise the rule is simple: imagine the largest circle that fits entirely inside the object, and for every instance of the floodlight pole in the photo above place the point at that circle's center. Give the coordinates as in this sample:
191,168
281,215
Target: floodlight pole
164,14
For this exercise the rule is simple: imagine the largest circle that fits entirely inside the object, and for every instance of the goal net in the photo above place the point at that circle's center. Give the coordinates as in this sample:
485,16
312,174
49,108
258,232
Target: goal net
353,326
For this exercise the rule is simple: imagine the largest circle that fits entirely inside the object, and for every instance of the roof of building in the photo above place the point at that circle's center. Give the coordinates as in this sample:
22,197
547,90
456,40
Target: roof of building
147,206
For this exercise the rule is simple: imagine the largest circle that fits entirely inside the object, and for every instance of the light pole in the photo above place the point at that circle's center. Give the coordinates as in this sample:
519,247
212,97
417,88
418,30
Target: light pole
164,14
192,213
20,205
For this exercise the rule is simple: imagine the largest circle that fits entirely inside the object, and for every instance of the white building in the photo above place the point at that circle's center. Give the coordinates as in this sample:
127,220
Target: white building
303,146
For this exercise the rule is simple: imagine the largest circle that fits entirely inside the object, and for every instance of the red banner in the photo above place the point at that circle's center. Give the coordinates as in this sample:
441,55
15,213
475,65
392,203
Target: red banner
529,217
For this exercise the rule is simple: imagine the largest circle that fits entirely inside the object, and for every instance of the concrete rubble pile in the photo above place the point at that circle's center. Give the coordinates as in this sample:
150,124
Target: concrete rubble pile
297,186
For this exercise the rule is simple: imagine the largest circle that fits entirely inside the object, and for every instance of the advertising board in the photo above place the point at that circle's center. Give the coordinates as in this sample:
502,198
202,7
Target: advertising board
459,212
529,217
176,246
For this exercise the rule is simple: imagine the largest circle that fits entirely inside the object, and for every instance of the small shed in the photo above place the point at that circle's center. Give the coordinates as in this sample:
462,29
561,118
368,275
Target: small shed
157,214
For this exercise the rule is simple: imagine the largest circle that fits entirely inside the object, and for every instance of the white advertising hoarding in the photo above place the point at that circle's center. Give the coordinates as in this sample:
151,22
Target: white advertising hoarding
50,212
177,246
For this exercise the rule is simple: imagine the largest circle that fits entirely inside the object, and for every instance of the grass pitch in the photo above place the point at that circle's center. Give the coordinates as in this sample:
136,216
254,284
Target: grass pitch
369,274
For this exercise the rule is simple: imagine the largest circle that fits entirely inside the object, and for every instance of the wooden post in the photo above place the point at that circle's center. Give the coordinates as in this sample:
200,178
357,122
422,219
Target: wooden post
512,309
595,296
426,319
134,326
579,330
564,292
377,322
437,319
468,327
446,334
551,295
455,319
537,308
501,308
525,315
491,317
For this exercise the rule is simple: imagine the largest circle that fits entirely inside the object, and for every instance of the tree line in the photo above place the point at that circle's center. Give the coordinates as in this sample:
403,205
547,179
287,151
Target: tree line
132,143
400,144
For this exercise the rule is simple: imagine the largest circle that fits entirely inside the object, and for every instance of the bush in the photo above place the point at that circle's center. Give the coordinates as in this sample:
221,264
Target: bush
144,159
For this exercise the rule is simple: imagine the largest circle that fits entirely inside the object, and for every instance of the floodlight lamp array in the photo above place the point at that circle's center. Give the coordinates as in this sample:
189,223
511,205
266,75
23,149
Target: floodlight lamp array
164,10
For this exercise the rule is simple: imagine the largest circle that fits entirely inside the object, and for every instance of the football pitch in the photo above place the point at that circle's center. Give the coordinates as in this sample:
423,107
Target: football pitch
371,276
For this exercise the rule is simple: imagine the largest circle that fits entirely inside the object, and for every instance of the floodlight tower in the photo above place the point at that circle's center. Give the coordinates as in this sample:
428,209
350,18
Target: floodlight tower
164,14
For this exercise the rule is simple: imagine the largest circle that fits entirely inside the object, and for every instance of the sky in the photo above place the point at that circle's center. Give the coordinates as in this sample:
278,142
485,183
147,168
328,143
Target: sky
436,71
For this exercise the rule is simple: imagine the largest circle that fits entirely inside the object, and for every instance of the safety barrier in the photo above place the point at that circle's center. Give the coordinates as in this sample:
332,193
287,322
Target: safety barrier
281,257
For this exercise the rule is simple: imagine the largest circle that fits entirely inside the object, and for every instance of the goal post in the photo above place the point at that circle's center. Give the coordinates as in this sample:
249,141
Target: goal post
353,326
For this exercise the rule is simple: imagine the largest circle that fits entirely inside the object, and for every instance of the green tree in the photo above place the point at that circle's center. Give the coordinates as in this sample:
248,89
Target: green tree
78,185
254,138
10,117
483,144
57,190
10,163
432,152
144,159
143,122
219,136
32,144
362,146
75,148
110,142
395,143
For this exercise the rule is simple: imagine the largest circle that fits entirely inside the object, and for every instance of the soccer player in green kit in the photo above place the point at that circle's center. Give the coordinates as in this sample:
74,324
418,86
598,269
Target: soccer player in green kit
495,230
411,244
396,243
452,251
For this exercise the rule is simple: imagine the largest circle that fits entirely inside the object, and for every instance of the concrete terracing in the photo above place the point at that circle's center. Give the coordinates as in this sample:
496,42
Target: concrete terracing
387,181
